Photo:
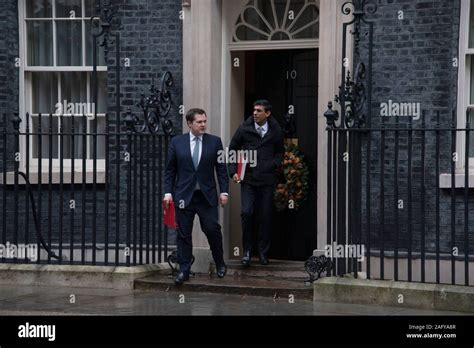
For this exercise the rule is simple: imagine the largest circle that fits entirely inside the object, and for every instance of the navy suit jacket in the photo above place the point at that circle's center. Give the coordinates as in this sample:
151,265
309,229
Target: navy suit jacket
181,176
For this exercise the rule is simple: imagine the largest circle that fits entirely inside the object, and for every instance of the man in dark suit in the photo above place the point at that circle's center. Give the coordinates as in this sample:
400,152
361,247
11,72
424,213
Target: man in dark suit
263,134
190,183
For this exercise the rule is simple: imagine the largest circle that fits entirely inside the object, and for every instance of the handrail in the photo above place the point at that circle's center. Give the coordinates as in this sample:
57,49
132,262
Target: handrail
38,233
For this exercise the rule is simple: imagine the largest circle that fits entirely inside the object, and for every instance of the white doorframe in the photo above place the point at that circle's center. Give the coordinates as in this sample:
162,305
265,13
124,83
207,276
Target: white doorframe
329,51
207,62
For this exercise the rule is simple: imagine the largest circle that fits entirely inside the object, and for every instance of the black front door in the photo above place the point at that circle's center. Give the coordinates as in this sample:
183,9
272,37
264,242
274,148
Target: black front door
288,79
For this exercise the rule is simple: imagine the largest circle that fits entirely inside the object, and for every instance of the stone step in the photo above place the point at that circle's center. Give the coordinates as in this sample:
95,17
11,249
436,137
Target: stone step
274,264
276,269
230,284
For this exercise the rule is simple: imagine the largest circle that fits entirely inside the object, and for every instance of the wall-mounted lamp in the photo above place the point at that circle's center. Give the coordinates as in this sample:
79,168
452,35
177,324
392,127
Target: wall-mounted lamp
186,3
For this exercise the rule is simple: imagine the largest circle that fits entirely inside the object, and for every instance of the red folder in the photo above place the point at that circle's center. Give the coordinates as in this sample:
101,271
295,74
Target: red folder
241,165
169,215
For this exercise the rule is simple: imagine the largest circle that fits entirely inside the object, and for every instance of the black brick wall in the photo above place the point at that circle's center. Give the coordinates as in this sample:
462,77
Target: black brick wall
413,64
9,51
151,37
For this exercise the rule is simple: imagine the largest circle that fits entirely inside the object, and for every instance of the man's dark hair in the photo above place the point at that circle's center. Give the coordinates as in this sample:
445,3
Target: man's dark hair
191,114
265,103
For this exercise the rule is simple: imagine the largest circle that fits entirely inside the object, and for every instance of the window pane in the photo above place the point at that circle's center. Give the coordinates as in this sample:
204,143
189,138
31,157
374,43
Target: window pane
278,20
266,9
246,33
68,8
298,30
280,7
39,9
89,47
67,141
44,90
74,92
255,29
308,33
296,6
46,140
69,43
91,9
40,43
471,26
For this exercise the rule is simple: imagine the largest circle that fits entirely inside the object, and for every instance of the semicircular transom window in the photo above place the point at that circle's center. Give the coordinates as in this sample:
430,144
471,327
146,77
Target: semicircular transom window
278,20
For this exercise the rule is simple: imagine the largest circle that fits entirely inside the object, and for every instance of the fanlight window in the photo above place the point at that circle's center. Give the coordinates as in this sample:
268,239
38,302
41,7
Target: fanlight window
278,20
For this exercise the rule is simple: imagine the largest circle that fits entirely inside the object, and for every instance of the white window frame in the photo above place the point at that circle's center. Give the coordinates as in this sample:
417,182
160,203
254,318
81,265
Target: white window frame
237,8
464,88
25,95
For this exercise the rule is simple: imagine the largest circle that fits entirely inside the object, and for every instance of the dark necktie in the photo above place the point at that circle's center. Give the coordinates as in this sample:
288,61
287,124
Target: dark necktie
197,146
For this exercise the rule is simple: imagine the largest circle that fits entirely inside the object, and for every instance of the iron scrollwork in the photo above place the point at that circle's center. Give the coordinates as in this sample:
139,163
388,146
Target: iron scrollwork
354,97
353,93
156,107
360,9
316,265
108,20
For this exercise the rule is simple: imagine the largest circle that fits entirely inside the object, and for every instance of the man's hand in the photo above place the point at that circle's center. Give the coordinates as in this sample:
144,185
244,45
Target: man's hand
236,179
167,199
223,199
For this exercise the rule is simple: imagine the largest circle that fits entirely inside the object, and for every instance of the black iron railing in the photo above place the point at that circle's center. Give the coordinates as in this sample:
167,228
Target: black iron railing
410,204
57,200
83,194
400,202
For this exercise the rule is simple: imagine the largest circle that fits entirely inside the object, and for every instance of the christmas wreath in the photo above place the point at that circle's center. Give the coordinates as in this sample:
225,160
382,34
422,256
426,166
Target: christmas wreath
292,187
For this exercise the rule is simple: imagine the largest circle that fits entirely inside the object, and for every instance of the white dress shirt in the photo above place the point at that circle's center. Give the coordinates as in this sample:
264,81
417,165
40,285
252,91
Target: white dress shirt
192,144
264,128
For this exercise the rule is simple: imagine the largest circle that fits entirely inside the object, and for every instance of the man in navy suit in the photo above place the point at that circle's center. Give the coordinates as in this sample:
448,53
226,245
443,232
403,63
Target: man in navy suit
190,183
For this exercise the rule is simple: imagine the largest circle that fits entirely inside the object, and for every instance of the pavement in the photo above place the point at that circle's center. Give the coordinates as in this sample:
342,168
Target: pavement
67,301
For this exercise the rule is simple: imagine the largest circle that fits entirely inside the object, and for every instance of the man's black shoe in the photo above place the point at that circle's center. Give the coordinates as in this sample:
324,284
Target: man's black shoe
246,259
181,278
221,270
263,260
